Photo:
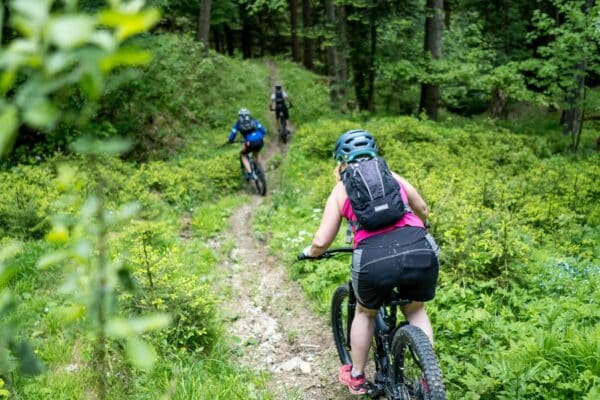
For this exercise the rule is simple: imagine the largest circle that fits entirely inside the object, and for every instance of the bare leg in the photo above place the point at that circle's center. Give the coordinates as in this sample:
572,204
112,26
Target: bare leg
361,336
246,163
415,314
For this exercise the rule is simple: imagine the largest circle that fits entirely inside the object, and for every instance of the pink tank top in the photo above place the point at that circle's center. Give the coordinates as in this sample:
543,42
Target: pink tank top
408,219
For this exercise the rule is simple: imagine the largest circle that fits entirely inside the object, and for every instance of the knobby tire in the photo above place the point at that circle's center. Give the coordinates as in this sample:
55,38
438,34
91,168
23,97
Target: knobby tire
261,181
411,346
339,322
283,132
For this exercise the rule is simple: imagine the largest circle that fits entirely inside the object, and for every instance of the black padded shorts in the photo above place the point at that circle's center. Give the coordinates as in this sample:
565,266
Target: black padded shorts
252,146
405,258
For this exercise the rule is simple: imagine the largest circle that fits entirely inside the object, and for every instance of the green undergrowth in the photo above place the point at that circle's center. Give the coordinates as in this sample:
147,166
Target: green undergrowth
516,313
185,194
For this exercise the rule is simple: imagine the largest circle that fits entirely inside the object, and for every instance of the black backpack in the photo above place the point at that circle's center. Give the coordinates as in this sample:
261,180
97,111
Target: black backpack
374,194
279,99
246,125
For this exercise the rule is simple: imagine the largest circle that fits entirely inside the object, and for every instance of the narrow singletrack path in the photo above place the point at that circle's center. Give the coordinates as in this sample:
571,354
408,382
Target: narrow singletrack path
268,315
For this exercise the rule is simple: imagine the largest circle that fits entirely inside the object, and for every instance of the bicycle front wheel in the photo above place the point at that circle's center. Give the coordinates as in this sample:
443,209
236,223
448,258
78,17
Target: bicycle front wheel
341,320
416,366
260,181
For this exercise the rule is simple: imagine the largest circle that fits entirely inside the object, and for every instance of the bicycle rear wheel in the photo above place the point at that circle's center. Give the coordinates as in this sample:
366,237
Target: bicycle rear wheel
260,181
416,366
283,132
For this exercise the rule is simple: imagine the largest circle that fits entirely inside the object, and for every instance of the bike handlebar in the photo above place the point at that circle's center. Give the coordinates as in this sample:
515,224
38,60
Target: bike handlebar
328,254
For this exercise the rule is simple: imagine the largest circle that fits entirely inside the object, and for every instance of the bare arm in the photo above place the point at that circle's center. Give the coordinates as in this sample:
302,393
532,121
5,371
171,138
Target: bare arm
415,201
330,222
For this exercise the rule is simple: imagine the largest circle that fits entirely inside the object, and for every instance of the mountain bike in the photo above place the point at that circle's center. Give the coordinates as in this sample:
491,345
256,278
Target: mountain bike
258,175
284,133
405,365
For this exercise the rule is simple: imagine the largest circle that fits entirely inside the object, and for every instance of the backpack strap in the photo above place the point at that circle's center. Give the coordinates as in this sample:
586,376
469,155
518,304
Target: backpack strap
349,232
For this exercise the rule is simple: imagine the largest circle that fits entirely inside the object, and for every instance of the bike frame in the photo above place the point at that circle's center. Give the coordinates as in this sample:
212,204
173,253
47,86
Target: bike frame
386,324
394,342
385,328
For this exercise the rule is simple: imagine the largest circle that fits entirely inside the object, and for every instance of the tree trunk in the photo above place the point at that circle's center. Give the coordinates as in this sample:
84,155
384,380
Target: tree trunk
572,117
246,33
204,25
332,56
294,31
373,49
342,60
498,104
229,41
447,14
507,28
4,18
306,24
430,92
218,38
362,40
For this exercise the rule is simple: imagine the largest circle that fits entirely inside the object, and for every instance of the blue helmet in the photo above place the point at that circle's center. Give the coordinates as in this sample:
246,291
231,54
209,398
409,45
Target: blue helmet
353,144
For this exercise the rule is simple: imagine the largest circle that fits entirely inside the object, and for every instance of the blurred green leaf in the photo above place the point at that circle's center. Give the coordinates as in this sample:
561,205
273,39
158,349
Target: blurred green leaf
10,250
6,274
7,79
7,302
91,83
120,328
128,210
58,61
8,129
35,11
104,40
150,322
48,260
125,57
69,313
140,353
71,30
133,6
113,146
90,207
41,114
128,24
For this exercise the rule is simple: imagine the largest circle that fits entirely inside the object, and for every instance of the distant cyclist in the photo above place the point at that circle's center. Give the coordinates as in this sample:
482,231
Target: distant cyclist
279,104
253,133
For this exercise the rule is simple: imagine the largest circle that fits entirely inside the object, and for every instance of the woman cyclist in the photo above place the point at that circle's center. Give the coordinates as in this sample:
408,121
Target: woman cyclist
401,255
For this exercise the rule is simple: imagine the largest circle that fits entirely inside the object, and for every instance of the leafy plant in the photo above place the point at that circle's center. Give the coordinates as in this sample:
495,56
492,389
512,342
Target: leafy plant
58,55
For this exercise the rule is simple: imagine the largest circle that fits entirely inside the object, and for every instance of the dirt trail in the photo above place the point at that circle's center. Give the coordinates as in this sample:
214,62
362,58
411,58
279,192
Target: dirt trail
269,314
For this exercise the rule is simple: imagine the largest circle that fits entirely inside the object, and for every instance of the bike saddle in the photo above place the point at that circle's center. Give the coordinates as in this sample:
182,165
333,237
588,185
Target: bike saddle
395,299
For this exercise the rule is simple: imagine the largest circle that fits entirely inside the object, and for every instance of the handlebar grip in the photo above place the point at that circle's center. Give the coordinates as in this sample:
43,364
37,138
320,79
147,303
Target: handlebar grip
302,256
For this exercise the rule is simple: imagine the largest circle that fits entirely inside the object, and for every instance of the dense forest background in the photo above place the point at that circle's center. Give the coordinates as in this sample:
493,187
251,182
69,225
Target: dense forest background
115,184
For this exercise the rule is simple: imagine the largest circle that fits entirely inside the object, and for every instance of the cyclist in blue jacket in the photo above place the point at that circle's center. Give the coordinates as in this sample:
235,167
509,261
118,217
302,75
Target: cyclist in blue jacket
253,133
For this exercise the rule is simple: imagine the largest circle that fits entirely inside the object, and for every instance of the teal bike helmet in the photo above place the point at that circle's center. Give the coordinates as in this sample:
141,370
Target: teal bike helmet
353,144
